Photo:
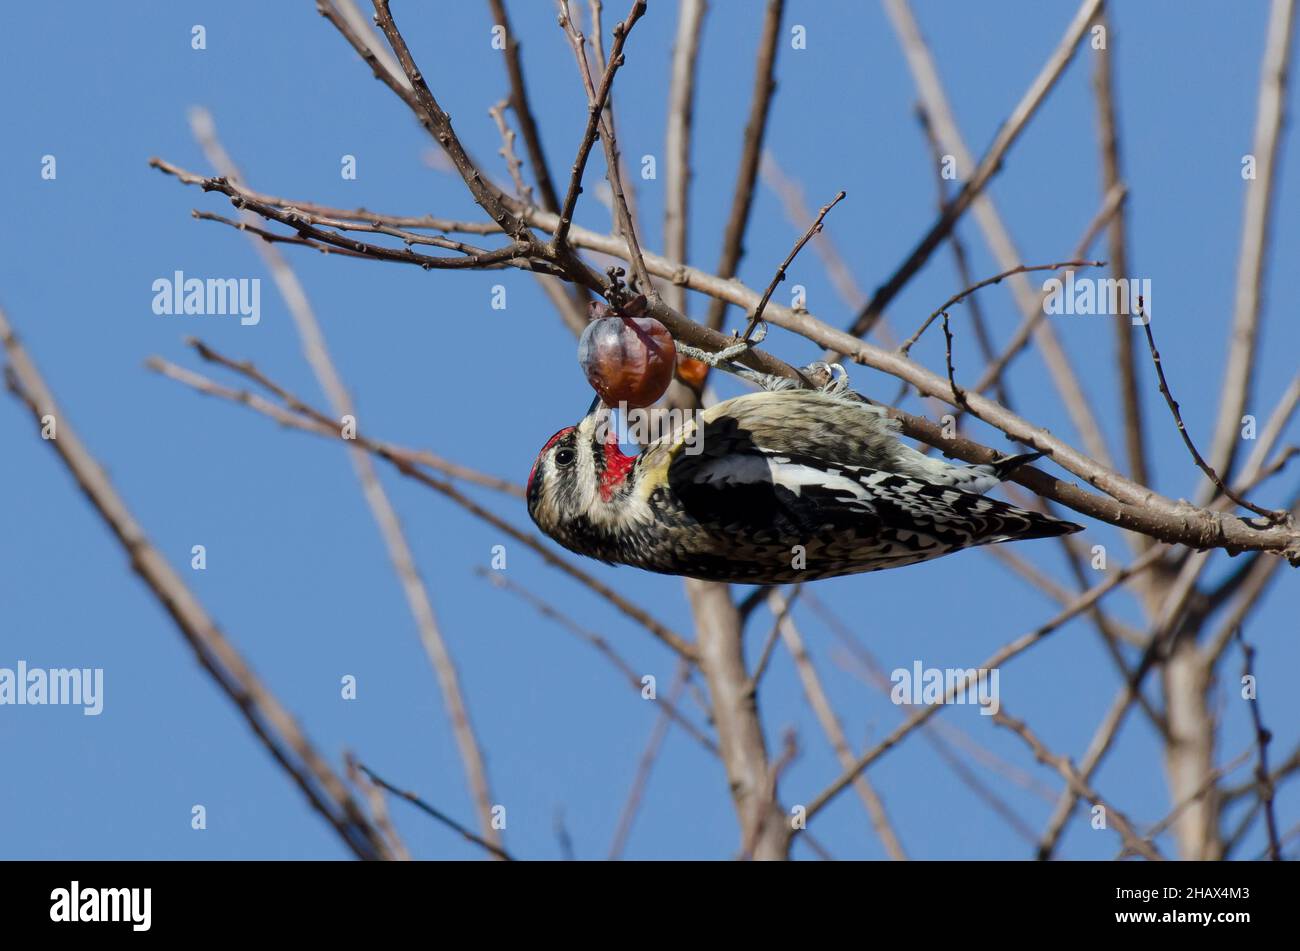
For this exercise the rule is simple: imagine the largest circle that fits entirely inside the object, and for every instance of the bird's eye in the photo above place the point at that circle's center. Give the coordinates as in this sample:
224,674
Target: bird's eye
564,457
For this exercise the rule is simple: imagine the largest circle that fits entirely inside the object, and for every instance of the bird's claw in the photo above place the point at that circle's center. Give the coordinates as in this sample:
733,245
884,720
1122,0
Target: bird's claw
830,378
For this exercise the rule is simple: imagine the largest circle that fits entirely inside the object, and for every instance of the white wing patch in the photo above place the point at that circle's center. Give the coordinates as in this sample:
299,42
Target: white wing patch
750,468
860,487
794,476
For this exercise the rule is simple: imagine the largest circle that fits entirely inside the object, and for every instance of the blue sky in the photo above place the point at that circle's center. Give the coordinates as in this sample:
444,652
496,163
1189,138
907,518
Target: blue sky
297,574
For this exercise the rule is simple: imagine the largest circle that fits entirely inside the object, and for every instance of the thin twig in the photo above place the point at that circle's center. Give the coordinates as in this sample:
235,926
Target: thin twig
960,258
438,123
1133,841
751,151
1212,778
677,138
958,394
989,164
408,465
598,101
294,420
1270,433
441,816
777,278
596,10
307,225
1255,582
1100,744
378,807
1243,340
830,723
1062,373
601,644
769,643
523,110
997,659
960,296
273,725
644,767
316,352
863,665
595,106
1043,583
994,372
800,215
1139,508
1273,517
276,237
570,300
1103,80
514,164
1263,736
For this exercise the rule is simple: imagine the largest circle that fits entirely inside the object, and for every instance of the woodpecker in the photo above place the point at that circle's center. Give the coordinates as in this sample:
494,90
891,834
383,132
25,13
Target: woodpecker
787,485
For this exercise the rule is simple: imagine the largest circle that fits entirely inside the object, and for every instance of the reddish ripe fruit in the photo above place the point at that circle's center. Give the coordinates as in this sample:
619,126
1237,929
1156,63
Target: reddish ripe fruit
692,372
627,359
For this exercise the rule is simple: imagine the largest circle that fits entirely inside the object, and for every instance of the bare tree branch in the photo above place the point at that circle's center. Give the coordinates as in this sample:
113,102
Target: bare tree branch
1256,220
931,91
1133,842
735,712
601,644
316,352
514,164
988,166
273,725
523,110
830,724
1117,251
1263,779
1134,507
1270,515
777,278
378,807
408,464
999,657
595,105
677,138
491,847
644,766
751,152
961,295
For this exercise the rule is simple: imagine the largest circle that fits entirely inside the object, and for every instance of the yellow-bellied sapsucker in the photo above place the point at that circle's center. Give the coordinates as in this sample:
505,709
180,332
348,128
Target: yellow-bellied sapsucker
788,485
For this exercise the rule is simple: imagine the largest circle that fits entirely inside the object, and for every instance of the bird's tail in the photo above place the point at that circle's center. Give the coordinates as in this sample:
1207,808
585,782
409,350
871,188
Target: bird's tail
974,479
1027,524
1004,467
1018,524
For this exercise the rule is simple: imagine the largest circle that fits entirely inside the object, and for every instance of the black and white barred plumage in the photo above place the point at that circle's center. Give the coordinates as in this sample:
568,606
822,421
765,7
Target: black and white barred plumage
787,485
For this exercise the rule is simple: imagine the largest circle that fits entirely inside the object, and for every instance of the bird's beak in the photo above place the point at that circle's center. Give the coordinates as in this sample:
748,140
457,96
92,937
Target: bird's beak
598,417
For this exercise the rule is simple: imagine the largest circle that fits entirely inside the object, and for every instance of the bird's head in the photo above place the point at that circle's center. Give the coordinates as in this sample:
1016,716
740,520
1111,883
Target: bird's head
578,473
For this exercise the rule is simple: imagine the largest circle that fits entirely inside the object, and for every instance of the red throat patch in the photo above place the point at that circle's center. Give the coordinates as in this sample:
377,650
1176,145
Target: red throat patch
617,466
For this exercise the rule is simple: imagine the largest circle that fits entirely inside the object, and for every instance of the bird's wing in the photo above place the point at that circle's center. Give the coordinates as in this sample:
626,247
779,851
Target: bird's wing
801,497
806,422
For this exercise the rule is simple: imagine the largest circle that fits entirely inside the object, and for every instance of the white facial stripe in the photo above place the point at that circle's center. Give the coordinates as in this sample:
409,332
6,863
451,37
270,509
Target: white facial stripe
583,470
549,477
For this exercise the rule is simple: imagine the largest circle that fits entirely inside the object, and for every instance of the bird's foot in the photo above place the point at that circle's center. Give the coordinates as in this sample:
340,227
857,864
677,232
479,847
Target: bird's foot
830,378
